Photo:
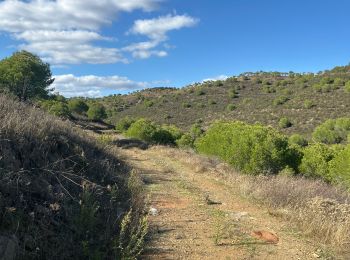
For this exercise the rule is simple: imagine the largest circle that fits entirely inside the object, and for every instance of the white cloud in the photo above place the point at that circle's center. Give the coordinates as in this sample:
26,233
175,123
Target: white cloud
70,85
68,31
62,31
18,16
156,30
220,77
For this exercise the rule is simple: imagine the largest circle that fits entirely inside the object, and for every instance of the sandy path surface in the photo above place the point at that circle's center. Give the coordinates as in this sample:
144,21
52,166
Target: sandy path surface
200,216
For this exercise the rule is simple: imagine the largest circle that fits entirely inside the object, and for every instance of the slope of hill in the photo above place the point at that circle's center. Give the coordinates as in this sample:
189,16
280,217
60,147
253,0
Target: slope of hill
62,195
305,99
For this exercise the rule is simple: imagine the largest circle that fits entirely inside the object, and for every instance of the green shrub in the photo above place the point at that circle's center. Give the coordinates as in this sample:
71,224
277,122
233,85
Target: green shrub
59,109
186,141
78,106
212,102
148,103
268,89
175,132
339,82
287,91
253,149
232,93
162,136
315,162
96,112
280,100
284,122
327,80
339,167
148,131
230,107
347,87
200,92
124,124
308,104
332,131
142,129
299,140
196,130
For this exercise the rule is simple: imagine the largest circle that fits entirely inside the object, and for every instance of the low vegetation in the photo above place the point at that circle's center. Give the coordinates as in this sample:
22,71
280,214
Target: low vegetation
252,149
61,194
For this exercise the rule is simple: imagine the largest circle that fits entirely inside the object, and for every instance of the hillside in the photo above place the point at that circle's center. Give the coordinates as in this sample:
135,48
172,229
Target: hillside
306,99
62,195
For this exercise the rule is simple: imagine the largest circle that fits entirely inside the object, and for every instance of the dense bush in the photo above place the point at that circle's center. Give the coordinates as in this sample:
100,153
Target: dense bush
148,131
96,112
232,93
332,131
347,87
186,141
142,129
315,162
284,122
339,167
253,149
124,124
299,140
55,107
78,106
148,103
308,104
280,100
59,109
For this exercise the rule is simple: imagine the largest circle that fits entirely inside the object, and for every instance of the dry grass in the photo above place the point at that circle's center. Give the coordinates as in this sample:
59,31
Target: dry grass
320,210
62,195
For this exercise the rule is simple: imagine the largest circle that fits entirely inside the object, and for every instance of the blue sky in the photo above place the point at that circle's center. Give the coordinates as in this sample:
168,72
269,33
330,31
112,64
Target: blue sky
115,46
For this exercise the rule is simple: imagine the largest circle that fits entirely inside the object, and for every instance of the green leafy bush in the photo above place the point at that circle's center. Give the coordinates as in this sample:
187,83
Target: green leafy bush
200,92
280,100
124,124
268,89
148,103
284,122
347,87
59,109
308,104
315,162
142,129
175,132
332,131
96,112
78,106
232,93
339,167
298,140
149,131
252,149
186,141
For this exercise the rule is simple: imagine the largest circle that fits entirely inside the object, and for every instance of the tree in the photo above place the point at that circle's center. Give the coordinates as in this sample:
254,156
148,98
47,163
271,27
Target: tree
25,75
96,112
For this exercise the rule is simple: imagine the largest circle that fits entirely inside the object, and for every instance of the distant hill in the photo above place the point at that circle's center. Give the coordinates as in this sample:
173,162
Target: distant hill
305,99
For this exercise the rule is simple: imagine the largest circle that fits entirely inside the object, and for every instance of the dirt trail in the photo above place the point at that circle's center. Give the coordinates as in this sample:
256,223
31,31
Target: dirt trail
199,216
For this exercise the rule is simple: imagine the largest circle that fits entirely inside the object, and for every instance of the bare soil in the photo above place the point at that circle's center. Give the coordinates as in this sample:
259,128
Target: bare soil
197,215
